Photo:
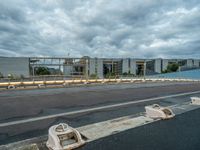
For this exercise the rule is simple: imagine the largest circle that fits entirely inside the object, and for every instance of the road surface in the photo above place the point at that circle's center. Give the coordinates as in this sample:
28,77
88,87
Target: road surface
17,105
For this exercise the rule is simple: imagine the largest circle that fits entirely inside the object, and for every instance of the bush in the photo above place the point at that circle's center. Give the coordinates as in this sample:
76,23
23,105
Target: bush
110,75
125,74
1,75
42,71
171,68
11,76
22,76
93,76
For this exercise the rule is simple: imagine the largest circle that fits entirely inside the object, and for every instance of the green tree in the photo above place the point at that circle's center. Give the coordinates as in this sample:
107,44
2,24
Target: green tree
21,76
42,71
94,76
110,75
11,76
1,75
173,67
124,73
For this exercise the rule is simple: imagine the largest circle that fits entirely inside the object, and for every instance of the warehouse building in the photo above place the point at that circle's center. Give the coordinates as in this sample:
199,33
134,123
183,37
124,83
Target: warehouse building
86,66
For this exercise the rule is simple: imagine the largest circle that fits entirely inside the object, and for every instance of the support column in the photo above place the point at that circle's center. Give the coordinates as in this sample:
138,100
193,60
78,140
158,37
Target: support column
92,64
86,68
157,66
100,68
67,69
133,66
125,65
189,63
196,63
164,64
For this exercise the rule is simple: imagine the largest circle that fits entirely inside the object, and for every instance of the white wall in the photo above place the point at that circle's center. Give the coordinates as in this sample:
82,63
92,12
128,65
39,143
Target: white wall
67,70
100,68
133,66
164,64
16,66
125,65
157,65
189,63
92,66
196,63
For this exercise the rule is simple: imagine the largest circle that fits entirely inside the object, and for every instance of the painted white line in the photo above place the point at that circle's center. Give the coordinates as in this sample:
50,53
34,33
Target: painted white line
102,129
93,109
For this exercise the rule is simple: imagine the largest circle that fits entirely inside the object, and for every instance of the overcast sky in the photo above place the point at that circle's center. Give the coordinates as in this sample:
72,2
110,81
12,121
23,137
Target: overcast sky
100,28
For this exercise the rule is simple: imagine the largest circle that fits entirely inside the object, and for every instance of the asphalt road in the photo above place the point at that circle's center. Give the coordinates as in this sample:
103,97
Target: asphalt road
180,133
22,104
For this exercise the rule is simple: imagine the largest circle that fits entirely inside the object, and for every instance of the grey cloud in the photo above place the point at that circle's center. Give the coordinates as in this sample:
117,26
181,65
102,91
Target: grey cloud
100,28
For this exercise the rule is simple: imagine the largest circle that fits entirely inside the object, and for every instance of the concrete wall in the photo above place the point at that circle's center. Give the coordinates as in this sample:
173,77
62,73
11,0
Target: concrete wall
67,70
157,65
87,68
189,63
16,66
100,68
164,64
133,66
125,65
196,63
20,66
92,66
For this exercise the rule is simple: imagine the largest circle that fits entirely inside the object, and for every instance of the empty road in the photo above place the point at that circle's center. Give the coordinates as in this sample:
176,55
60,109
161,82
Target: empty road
29,113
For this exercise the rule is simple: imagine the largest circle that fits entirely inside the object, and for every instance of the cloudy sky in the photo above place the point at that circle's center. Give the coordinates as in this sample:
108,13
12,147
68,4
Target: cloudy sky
100,28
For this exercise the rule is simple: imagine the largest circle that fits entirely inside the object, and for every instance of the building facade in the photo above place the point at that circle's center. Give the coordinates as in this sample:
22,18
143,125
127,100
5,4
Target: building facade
86,66
16,66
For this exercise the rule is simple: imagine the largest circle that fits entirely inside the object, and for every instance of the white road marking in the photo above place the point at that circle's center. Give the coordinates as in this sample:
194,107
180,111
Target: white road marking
93,109
102,129
181,108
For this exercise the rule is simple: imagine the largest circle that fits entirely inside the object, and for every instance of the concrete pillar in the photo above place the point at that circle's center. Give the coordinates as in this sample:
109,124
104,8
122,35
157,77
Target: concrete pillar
86,68
189,63
145,69
133,66
157,66
100,68
67,70
92,64
164,64
196,63
125,65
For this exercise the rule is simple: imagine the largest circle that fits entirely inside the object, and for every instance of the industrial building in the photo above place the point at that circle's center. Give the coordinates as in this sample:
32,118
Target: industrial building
86,66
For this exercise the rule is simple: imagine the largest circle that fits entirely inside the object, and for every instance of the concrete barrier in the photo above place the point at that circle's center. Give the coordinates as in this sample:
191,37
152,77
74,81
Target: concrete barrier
87,81
195,100
63,137
98,130
11,87
157,112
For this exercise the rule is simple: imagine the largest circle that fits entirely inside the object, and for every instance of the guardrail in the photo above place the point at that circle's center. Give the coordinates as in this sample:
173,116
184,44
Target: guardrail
39,84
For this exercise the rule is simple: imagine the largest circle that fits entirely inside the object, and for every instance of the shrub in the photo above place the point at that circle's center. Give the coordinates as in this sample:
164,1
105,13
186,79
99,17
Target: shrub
93,76
42,71
1,75
171,68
